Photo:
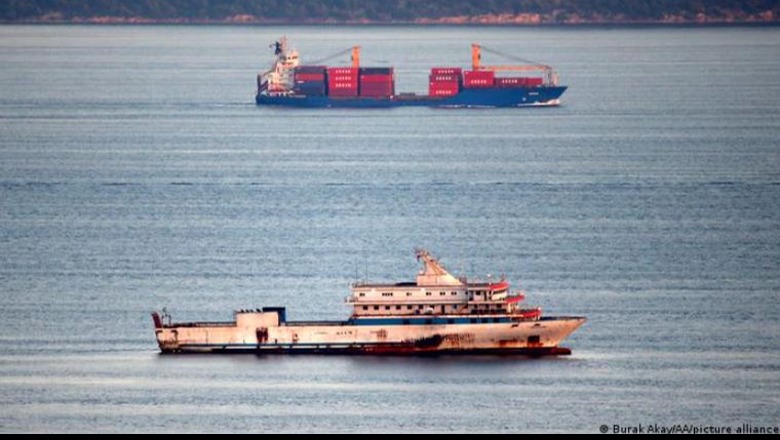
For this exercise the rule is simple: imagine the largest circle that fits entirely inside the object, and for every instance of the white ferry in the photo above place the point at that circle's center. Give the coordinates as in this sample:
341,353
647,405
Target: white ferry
436,313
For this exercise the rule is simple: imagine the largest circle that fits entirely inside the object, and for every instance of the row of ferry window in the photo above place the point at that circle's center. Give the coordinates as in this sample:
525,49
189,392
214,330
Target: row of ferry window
496,307
390,294
453,308
472,321
407,307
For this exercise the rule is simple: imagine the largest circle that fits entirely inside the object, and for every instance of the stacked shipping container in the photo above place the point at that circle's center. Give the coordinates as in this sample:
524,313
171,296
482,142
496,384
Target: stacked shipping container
309,80
444,81
377,82
343,81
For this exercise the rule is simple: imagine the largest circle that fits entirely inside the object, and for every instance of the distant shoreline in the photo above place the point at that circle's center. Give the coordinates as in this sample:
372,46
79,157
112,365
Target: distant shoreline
97,21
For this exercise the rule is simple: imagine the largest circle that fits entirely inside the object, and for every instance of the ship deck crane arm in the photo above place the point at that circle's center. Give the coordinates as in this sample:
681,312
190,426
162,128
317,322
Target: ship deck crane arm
528,66
355,55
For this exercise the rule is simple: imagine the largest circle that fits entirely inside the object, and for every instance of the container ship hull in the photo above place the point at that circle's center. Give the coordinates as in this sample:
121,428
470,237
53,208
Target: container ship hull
260,333
291,84
468,98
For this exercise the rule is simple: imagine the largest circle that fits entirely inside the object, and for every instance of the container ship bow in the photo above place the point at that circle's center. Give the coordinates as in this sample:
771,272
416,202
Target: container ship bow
292,84
436,313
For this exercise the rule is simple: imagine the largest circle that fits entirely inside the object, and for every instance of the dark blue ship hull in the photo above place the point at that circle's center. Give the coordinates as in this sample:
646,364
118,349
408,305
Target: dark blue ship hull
514,97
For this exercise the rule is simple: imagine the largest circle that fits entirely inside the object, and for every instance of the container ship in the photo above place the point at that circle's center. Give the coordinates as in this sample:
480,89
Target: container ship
292,84
436,313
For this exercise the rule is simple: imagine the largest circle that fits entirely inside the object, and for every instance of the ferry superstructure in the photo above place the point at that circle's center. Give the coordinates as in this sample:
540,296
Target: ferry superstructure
436,313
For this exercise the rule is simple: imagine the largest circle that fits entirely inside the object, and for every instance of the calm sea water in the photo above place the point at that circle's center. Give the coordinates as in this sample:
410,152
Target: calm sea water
136,173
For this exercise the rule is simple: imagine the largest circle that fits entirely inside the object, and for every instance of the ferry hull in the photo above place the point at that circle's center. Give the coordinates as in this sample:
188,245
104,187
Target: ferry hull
467,98
532,338
435,314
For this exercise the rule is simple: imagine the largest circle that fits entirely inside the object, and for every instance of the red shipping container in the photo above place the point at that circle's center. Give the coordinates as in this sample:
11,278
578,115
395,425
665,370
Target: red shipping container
479,84
343,85
379,94
443,92
337,89
444,85
309,77
342,78
342,92
446,71
376,78
444,78
376,90
534,82
443,88
511,82
349,71
376,86
479,79
479,74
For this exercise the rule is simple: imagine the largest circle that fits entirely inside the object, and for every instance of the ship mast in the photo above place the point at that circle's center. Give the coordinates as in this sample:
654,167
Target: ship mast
433,273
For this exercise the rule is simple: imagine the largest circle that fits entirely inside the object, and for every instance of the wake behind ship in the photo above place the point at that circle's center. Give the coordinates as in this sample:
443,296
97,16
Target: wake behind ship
291,84
436,313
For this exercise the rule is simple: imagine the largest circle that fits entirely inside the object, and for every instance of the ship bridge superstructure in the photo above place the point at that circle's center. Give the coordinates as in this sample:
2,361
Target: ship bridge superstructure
279,80
437,292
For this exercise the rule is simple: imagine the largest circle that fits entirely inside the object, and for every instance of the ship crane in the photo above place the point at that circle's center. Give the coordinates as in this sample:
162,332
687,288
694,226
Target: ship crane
355,56
550,76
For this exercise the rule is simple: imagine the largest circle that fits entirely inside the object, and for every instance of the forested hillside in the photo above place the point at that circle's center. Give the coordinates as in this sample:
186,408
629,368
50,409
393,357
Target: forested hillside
392,11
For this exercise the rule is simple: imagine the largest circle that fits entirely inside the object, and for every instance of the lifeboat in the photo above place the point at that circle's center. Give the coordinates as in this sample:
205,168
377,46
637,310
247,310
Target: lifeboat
518,298
529,313
499,287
